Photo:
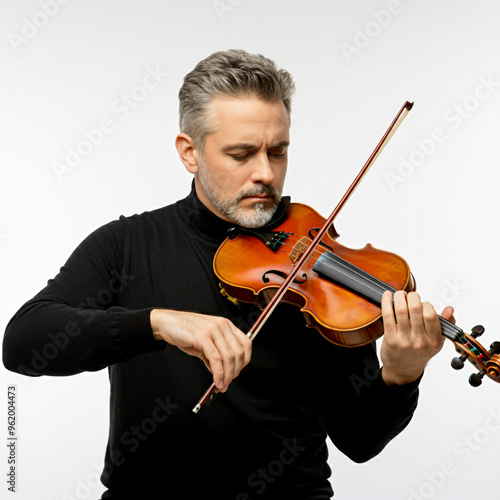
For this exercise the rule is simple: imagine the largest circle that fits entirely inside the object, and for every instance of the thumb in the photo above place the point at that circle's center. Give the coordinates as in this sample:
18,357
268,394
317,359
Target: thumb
448,314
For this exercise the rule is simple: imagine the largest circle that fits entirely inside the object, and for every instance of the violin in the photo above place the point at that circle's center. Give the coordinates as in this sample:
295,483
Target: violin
338,289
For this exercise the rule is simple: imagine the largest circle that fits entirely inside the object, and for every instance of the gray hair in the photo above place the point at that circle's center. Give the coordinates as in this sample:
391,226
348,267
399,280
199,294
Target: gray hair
233,73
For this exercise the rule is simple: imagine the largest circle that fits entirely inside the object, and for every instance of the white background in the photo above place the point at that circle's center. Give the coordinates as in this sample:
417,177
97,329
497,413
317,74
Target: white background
434,202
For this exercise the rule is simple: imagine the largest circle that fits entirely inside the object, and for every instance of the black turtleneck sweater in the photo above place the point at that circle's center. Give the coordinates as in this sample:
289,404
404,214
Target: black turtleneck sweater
266,436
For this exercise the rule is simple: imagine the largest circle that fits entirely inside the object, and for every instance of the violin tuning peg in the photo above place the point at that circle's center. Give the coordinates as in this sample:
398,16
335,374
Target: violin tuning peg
495,348
476,379
477,331
458,363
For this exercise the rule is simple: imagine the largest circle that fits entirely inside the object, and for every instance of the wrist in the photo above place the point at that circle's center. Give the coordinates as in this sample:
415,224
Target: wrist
155,320
391,378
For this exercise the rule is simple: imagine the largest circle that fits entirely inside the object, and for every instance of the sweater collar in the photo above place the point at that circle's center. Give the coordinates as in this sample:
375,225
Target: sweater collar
211,227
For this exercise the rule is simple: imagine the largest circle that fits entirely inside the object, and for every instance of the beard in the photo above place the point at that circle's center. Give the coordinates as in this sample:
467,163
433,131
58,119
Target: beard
257,215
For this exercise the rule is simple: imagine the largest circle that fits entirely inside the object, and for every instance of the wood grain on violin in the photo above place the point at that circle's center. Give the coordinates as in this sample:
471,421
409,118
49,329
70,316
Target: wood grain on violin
338,289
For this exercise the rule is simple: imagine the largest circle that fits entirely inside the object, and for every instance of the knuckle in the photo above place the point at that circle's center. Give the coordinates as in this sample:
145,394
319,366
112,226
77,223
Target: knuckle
387,312
205,334
419,345
406,345
400,309
437,343
223,322
429,312
214,355
246,343
415,306
429,316
390,341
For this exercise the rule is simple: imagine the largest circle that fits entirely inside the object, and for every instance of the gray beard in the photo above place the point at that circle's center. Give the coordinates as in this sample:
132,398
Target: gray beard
255,217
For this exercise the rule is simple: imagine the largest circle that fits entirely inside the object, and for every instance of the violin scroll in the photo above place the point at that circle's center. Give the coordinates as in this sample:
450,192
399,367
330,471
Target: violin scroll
487,362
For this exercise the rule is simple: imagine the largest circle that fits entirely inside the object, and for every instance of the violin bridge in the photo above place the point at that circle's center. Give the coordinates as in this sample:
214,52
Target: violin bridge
299,248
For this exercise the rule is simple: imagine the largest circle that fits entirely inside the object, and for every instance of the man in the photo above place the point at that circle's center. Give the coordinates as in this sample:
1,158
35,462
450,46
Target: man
139,296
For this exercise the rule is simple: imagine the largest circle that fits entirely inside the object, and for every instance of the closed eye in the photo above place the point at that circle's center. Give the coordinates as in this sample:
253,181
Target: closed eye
241,157
277,154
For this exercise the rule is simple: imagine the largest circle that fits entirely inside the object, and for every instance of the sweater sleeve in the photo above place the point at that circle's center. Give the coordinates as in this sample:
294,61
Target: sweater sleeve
74,324
370,413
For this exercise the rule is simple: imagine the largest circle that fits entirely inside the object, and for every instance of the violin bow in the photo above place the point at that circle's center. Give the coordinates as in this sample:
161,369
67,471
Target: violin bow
280,293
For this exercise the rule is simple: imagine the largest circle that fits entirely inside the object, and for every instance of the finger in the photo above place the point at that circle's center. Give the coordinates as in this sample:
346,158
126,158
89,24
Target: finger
416,314
388,313
213,361
401,312
448,314
228,361
432,324
242,346
234,348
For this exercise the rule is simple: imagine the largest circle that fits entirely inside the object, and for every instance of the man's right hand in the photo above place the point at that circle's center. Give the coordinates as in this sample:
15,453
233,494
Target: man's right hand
224,349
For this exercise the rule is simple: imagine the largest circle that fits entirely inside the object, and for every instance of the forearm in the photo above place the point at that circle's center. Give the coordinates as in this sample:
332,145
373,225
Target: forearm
47,337
381,413
366,413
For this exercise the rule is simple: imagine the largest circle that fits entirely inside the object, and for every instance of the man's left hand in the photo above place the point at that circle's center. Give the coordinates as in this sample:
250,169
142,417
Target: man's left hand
412,336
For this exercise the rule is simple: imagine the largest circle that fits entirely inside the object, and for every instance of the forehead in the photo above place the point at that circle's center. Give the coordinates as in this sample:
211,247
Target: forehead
248,118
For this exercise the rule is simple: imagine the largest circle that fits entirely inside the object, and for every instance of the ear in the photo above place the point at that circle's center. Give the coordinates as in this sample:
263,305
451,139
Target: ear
188,152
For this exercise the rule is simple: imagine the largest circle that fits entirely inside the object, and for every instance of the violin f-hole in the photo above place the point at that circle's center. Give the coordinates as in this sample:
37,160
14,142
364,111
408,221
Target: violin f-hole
322,243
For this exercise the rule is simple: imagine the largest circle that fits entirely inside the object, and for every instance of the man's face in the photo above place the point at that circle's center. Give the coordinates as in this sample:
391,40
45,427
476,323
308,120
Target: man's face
242,172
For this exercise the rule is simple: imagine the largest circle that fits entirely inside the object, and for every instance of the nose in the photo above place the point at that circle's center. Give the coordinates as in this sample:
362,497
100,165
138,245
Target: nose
262,170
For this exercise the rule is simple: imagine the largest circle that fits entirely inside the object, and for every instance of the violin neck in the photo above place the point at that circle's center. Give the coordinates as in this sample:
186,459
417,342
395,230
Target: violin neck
337,270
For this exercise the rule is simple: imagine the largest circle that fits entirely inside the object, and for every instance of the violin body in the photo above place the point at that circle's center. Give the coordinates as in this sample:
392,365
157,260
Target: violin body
251,270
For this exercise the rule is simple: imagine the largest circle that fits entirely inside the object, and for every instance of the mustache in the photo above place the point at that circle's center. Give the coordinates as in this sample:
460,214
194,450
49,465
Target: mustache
262,190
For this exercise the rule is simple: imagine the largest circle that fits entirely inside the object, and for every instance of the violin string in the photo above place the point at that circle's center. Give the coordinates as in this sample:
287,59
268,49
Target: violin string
376,285
373,284
450,330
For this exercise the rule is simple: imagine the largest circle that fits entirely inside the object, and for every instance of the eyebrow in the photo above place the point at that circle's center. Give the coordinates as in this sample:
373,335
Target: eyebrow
247,146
